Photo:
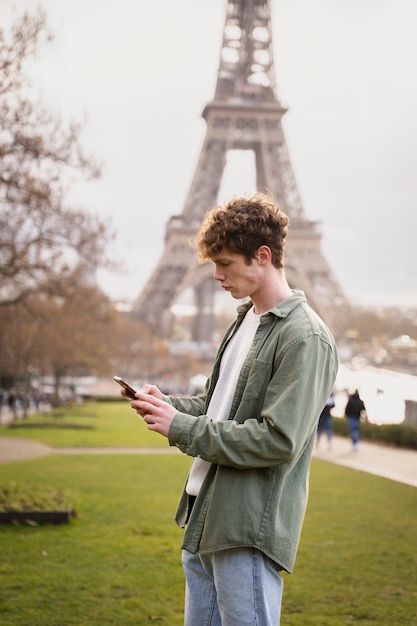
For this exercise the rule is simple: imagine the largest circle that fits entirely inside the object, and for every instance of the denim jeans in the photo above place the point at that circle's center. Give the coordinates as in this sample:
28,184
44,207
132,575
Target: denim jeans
354,425
325,424
235,587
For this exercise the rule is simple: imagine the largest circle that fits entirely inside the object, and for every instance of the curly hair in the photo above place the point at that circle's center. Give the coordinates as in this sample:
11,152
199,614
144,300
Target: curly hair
242,225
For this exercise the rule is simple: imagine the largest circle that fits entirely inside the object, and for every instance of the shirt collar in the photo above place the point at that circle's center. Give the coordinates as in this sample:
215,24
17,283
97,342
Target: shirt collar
283,309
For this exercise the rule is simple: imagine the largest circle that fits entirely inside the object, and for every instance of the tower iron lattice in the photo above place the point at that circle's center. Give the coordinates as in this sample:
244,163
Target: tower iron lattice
245,114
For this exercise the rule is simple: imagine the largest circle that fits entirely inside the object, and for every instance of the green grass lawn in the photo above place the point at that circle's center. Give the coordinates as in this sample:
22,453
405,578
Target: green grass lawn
101,424
118,562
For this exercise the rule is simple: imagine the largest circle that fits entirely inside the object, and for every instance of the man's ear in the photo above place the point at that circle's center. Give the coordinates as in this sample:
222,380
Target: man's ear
263,254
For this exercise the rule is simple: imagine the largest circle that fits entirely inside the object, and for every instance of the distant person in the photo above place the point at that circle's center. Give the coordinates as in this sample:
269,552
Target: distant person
252,430
12,402
353,411
325,422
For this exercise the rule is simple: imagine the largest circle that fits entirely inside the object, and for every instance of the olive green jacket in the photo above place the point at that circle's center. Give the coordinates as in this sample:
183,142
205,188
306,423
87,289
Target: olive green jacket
255,493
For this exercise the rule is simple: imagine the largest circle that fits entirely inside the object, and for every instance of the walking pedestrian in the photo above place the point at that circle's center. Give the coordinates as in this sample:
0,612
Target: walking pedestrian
325,422
353,411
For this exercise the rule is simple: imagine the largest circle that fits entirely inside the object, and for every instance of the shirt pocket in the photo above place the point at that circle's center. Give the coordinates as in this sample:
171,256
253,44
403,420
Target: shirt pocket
258,380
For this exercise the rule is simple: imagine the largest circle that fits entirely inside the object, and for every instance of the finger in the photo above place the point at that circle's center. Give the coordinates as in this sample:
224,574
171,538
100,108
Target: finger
136,407
150,419
146,396
149,402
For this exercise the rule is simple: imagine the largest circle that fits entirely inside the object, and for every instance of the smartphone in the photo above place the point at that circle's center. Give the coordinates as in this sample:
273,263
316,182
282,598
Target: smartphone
130,390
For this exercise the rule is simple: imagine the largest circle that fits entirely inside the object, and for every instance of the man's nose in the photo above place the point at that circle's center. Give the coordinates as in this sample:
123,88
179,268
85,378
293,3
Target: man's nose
217,274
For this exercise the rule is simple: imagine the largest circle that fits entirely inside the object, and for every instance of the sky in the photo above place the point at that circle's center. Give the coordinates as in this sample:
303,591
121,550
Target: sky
139,73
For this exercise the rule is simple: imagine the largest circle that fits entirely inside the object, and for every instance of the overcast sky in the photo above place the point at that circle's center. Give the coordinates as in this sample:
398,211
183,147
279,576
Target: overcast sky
140,73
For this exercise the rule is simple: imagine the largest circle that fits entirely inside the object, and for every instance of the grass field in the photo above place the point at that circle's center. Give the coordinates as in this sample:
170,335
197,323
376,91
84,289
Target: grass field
118,562
101,424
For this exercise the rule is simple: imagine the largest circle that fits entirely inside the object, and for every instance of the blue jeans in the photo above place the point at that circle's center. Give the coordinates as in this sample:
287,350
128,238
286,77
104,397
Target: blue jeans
325,424
234,587
354,424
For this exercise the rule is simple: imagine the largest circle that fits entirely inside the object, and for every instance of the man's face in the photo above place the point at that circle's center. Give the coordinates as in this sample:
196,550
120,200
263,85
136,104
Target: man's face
235,275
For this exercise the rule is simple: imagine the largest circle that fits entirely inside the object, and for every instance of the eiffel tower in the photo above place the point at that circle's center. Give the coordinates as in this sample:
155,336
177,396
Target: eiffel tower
244,115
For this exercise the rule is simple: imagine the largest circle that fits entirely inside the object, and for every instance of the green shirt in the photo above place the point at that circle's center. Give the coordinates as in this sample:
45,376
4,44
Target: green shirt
255,493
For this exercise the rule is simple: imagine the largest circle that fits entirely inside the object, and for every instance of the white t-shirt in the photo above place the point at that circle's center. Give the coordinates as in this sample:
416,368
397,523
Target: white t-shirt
221,401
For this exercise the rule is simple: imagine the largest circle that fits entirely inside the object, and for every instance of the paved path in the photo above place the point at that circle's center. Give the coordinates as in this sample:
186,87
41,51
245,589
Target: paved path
390,462
16,449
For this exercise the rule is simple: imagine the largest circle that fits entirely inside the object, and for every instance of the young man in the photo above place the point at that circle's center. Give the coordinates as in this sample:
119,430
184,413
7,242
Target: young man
252,431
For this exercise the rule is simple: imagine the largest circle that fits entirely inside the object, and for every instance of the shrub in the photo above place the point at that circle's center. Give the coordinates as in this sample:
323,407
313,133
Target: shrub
401,435
17,497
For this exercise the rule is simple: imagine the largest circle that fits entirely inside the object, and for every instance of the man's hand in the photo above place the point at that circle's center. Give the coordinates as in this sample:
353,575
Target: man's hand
150,389
157,413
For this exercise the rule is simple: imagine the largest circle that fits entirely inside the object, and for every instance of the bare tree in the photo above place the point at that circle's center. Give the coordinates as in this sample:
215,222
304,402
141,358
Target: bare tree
44,243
